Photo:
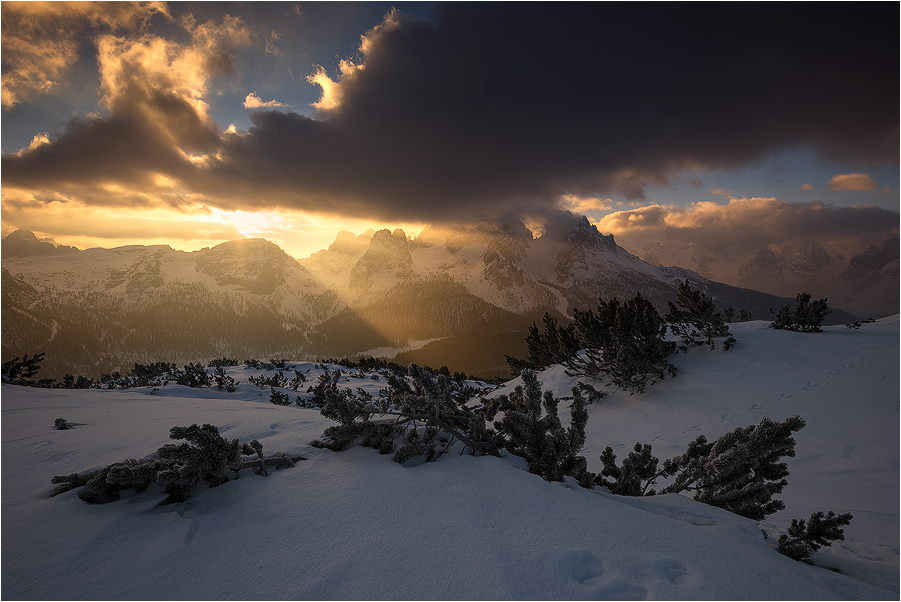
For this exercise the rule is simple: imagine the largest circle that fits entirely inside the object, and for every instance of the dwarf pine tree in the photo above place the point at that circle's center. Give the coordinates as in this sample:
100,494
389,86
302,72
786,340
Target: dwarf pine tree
550,450
635,477
194,376
279,398
223,380
805,538
555,345
741,470
695,320
414,418
326,385
19,371
807,316
204,456
623,341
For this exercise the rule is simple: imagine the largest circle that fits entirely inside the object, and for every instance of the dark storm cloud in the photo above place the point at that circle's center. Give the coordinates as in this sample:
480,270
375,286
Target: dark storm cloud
492,103
489,104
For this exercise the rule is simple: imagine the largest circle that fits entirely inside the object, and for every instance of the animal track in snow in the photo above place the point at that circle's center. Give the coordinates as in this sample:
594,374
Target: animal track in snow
696,427
757,407
784,396
726,418
582,565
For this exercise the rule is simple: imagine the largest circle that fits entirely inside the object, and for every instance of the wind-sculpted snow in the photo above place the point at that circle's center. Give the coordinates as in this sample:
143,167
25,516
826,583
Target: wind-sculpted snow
354,524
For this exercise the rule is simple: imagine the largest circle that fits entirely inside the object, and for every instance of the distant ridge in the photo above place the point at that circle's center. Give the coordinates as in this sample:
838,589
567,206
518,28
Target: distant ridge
478,287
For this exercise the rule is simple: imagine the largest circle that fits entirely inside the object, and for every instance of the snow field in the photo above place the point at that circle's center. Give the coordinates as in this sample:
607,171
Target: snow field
355,525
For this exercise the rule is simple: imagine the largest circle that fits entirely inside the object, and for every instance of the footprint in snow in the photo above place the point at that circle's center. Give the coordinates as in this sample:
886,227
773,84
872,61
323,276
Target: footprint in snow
725,418
784,396
758,407
582,565
672,570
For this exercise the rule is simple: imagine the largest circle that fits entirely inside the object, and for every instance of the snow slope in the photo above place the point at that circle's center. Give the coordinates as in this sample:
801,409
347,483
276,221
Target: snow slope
355,525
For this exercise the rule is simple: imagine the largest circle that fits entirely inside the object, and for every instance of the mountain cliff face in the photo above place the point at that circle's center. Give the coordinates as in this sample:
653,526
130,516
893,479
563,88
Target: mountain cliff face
104,309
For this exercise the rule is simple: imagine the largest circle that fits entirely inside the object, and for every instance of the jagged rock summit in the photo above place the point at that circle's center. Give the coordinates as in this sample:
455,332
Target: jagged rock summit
23,243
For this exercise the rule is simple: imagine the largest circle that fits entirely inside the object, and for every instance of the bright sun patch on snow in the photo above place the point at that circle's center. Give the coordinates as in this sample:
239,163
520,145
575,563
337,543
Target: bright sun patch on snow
354,524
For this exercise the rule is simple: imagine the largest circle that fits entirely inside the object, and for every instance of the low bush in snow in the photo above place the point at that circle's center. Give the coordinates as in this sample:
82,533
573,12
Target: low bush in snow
205,456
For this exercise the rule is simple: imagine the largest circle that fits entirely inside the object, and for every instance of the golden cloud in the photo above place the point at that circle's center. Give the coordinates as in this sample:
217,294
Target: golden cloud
852,181
159,129
579,204
333,90
40,40
748,222
66,219
252,101
167,81
806,186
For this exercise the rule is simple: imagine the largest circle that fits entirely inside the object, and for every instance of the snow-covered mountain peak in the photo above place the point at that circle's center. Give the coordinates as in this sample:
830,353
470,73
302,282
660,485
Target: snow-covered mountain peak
347,243
587,234
385,262
254,264
25,243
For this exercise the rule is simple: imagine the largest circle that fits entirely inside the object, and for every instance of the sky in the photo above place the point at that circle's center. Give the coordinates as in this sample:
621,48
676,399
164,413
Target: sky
190,124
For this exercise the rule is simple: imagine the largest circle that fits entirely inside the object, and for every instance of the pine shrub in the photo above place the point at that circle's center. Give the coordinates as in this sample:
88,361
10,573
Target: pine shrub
622,341
279,398
194,376
19,371
739,472
694,319
223,380
205,456
415,418
555,345
805,538
807,316
538,436
635,477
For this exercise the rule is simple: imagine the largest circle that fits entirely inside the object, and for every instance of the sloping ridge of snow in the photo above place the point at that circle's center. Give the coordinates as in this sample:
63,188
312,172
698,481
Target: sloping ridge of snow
355,525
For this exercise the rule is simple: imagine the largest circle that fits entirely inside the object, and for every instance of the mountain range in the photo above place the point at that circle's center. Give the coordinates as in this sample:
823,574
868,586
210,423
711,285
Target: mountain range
862,281
457,297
